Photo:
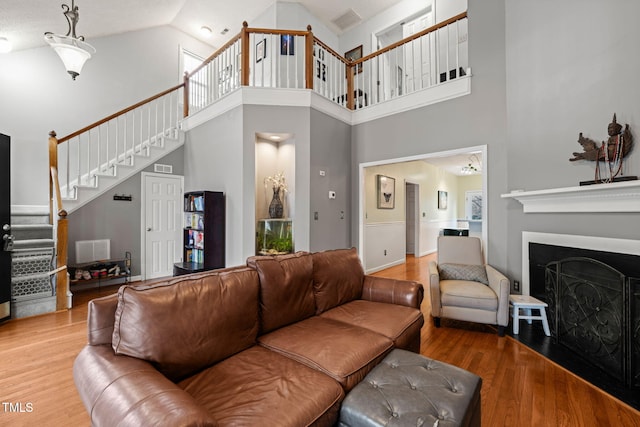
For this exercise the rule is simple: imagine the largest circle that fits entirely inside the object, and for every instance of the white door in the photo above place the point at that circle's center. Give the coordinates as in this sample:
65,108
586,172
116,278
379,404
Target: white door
162,224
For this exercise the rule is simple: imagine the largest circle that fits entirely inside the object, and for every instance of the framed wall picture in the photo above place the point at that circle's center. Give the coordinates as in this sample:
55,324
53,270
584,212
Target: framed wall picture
386,190
353,54
442,200
261,50
287,45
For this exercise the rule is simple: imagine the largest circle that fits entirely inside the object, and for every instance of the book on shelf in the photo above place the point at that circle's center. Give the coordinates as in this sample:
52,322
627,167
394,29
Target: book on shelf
194,220
194,203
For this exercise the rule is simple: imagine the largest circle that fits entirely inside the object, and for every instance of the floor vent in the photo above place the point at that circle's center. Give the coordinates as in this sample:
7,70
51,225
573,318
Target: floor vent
92,250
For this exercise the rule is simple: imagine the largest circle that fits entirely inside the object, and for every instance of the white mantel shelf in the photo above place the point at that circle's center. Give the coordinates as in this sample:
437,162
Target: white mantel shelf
614,197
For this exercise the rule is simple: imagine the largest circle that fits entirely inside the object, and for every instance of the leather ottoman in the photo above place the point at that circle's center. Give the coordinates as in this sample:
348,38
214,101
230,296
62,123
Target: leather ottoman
407,389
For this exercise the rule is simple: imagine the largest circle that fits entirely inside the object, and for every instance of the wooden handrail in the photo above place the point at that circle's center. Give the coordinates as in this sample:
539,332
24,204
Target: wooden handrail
276,31
58,195
215,54
331,51
412,37
119,113
53,163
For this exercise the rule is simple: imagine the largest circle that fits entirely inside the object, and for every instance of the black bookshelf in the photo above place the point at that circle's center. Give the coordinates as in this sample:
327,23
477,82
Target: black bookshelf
203,232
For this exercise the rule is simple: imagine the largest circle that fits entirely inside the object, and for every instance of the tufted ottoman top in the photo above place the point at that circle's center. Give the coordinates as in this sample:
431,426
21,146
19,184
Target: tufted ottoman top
407,389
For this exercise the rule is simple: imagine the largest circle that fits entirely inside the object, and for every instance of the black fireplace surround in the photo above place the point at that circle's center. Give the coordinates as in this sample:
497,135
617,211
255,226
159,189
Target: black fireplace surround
594,305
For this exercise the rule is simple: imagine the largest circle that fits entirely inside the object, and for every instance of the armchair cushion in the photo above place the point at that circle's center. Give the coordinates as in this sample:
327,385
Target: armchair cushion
473,273
462,293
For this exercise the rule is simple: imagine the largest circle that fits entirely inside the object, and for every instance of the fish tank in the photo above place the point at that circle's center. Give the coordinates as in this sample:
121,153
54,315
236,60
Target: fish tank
274,236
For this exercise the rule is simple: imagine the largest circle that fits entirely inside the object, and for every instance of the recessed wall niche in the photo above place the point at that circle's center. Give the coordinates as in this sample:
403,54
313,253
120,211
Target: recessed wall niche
275,154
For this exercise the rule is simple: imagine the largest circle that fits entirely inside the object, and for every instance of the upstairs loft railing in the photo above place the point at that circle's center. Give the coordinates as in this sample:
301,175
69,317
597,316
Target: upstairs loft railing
256,57
286,59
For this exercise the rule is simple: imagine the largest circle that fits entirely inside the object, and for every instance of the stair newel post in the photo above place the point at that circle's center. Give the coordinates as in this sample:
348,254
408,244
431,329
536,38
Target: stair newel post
308,58
53,163
350,90
244,46
62,279
185,95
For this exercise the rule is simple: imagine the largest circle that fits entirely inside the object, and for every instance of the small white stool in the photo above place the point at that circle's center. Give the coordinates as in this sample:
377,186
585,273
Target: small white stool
527,303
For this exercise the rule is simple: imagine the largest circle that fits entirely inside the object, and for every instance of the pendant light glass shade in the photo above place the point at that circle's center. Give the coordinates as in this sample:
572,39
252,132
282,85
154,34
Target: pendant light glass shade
72,50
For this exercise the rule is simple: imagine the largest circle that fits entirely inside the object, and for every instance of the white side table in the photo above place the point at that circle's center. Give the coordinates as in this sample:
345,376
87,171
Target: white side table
527,303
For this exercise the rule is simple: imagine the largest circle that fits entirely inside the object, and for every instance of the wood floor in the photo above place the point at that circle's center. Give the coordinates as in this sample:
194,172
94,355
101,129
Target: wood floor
520,387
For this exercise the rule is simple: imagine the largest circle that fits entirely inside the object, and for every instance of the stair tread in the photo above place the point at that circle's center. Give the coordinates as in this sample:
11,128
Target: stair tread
39,276
44,243
30,226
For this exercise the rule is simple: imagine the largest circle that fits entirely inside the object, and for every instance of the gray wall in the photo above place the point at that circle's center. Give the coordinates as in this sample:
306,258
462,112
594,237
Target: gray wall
39,96
472,120
213,161
119,221
330,152
220,155
570,66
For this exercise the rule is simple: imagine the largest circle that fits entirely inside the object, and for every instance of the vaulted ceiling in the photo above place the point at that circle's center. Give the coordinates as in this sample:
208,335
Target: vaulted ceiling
24,22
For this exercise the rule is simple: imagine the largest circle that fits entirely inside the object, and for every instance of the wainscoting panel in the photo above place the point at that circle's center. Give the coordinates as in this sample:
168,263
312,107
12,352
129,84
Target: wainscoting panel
429,231
385,245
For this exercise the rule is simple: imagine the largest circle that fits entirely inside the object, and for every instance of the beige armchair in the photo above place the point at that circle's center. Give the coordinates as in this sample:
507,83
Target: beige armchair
463,287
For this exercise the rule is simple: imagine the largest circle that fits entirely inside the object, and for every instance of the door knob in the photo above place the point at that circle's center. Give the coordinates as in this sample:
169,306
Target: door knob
7,242
6,227
149,229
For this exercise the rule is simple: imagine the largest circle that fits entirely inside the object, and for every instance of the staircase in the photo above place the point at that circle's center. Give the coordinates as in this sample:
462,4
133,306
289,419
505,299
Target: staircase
118,168
32,290
98,157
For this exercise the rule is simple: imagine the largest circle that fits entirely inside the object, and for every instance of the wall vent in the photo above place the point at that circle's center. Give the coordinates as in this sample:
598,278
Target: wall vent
157,167
92,250
347,20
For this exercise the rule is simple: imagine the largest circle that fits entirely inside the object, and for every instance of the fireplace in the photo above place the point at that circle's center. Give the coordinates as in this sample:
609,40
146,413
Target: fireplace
593,297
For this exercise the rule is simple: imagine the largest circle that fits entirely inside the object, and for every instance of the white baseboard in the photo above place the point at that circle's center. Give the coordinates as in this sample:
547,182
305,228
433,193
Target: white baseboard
428,252
382,267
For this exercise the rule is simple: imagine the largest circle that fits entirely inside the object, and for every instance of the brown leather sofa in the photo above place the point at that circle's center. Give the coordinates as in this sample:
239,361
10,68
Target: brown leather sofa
276,343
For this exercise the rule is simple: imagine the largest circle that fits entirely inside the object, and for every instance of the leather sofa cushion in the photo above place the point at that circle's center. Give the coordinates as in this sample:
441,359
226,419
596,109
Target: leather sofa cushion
286,289
462,293
171,326
342,351
337,278
262,388
125,391
401,324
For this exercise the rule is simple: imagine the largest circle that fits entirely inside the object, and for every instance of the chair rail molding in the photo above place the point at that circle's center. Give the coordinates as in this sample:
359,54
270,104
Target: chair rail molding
610,197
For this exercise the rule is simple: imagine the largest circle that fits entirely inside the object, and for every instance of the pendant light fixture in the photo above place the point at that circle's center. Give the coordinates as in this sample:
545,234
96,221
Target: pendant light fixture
72,50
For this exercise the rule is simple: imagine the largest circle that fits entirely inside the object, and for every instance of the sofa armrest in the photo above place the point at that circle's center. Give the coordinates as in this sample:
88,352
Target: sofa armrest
100,319
125,391
392,291
501,285
434,289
